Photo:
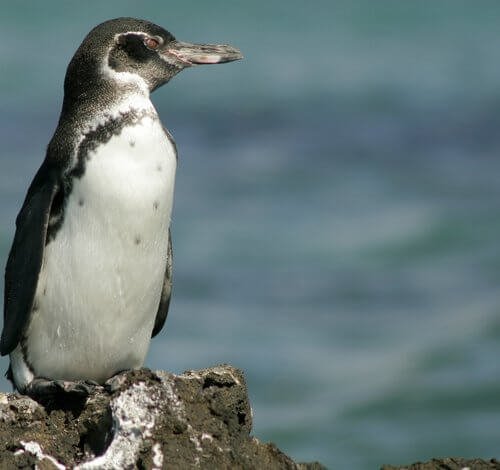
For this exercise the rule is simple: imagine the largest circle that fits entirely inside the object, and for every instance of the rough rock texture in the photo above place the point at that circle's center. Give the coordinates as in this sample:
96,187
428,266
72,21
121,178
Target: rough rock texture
145,420
449,464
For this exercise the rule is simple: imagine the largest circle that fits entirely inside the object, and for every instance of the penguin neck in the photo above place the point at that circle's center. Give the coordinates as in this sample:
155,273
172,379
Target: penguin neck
93,109
107,101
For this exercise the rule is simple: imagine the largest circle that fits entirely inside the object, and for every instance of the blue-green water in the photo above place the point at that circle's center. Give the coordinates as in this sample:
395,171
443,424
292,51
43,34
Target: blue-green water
337,218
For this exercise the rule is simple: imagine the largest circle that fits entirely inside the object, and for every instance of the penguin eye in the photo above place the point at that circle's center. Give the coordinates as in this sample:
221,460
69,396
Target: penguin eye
151,43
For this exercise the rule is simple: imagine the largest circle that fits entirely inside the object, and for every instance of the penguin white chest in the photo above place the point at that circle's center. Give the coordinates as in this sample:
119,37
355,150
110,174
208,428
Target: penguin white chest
102,275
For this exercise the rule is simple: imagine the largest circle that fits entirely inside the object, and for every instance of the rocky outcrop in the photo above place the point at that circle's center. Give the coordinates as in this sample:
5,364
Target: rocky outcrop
143,419
449,464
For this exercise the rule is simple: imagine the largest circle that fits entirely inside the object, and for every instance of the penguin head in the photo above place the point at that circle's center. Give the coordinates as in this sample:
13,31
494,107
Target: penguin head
134,53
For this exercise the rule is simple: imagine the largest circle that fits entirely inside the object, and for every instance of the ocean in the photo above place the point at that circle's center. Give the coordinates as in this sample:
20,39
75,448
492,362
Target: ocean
337,216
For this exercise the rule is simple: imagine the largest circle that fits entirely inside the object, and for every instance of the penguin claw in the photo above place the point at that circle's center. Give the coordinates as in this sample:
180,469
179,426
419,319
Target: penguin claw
115,383
78,389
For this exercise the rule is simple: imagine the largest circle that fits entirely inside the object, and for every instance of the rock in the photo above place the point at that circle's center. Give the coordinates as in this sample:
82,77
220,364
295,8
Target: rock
144,419
449,464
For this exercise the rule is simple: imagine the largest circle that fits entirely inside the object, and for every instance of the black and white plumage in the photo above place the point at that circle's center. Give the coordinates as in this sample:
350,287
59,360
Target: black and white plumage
89,274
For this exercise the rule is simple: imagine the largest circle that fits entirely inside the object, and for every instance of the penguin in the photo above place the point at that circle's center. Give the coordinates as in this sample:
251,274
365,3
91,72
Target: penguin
88,279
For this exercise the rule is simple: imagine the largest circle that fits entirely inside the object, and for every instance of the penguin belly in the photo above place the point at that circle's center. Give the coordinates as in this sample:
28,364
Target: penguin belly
100,284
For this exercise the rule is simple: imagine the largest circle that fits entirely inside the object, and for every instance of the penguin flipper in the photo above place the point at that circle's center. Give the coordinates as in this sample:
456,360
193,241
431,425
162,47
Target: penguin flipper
25,258
166,292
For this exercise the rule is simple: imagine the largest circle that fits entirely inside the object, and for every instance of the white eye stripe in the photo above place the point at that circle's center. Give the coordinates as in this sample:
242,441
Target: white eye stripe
120,38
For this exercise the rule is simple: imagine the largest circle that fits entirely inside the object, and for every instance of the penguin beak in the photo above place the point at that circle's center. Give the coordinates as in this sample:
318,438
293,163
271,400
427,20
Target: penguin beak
185,54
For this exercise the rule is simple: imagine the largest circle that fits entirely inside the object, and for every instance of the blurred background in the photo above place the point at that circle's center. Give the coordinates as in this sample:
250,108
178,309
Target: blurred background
337,218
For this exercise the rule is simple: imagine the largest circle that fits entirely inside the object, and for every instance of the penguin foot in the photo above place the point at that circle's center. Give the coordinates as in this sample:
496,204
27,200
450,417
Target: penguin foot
115,383
40,387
